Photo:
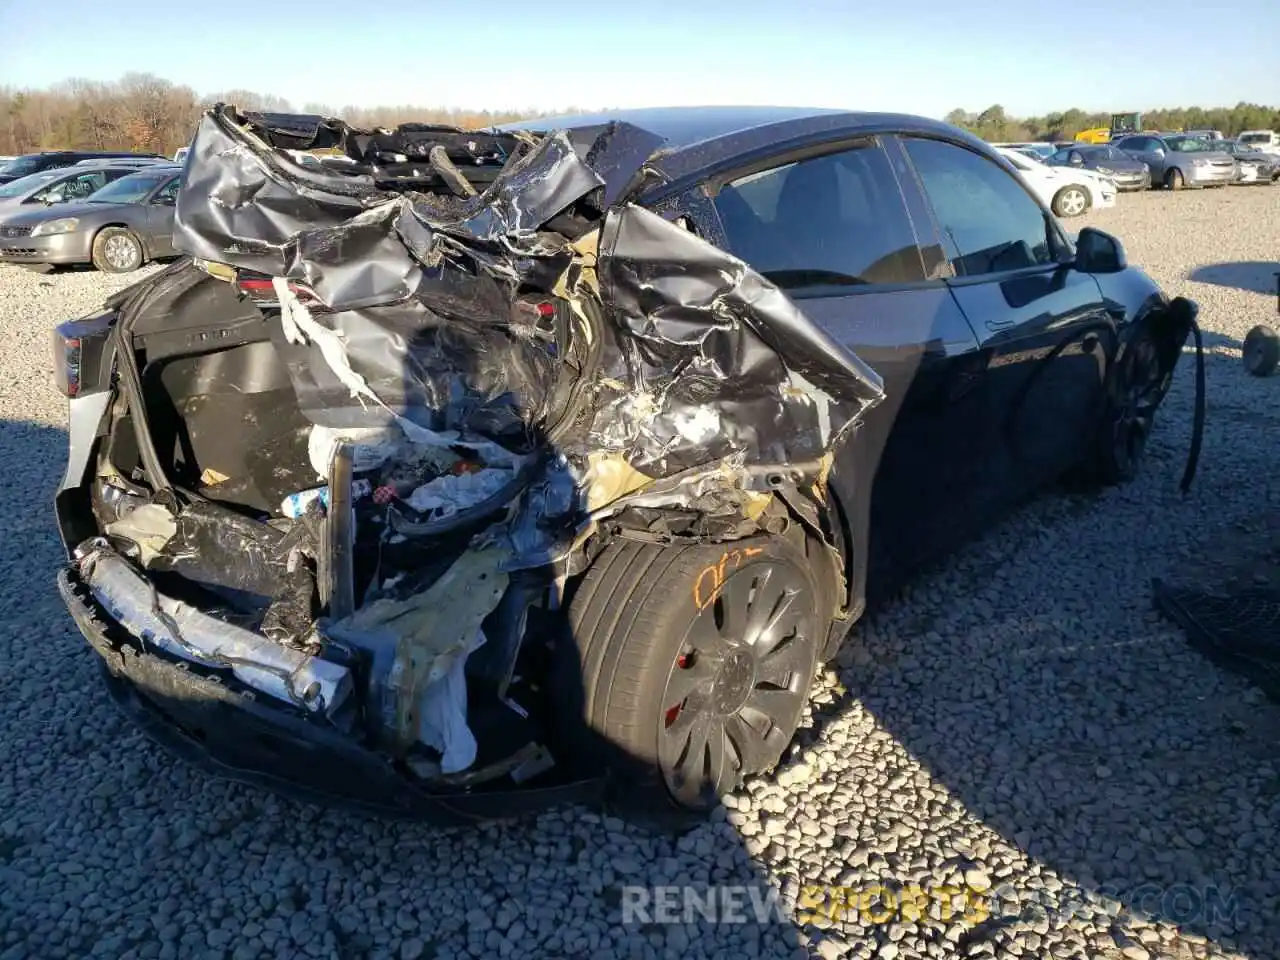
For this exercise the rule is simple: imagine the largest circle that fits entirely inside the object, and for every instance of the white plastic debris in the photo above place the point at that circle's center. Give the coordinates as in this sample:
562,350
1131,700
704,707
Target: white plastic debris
442,714
372,447
179,628
446,495
698,425
421,693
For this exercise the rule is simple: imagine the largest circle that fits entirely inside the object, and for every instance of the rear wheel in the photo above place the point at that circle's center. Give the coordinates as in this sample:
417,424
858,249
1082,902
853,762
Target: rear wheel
1173,179
117,250
1071,201
688,667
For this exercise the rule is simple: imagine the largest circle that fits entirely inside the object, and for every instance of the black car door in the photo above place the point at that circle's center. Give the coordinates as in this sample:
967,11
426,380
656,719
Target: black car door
1042,324
835,233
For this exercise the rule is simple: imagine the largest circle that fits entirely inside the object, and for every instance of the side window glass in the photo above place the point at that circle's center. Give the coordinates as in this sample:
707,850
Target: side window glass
993,223
51,192
834,220
168,193
77,188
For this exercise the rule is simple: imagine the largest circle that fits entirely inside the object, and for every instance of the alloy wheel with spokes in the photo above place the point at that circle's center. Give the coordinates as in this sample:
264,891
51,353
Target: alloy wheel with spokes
117,250
1071,202
121,252
738,683
686,666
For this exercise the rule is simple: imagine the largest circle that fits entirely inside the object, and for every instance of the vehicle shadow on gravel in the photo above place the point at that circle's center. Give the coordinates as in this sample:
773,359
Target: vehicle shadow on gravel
1254,276
1103,750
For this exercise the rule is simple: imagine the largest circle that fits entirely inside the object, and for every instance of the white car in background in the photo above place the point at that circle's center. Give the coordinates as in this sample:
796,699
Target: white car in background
1067,191
1266,141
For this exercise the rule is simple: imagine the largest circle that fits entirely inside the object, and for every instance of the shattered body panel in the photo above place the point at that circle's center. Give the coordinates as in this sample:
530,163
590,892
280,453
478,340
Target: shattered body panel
693,356
493,346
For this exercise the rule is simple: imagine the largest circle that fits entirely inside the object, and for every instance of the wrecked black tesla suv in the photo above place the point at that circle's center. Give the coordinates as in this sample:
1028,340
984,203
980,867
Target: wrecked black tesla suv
488,468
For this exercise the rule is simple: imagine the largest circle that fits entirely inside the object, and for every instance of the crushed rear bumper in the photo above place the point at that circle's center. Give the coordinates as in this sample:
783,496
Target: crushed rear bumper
233,734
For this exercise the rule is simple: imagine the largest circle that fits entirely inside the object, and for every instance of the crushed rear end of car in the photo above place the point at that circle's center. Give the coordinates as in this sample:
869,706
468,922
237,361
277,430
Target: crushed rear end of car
330,476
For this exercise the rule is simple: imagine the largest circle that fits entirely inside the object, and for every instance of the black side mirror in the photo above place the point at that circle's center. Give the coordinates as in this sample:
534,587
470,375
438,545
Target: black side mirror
1098,252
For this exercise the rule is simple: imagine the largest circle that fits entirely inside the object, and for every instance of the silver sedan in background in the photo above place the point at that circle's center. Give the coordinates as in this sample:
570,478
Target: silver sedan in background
1180,160
59,185
117,229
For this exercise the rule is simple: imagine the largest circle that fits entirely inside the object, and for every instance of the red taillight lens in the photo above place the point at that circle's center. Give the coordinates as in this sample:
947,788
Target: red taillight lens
77,353
71,356
68,357
261,291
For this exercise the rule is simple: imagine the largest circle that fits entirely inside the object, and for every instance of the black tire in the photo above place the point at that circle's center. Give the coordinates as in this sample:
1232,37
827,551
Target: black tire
1071,201
1135,390
1261,351
118,250
652,623
1173,179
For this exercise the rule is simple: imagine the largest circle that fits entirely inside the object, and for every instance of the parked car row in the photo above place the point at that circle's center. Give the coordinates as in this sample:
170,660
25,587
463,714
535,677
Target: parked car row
1140,161
1067,191
30,163
116,214
114,210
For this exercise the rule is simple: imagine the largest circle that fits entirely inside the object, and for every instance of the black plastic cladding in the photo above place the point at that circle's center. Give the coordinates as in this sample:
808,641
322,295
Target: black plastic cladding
700,358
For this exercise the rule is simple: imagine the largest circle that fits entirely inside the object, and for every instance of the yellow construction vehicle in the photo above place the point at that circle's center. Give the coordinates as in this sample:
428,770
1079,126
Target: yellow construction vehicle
1094,135
1122,124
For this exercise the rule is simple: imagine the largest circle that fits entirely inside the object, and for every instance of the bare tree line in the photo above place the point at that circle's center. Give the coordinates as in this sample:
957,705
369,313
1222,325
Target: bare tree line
147,113
143,112
995,125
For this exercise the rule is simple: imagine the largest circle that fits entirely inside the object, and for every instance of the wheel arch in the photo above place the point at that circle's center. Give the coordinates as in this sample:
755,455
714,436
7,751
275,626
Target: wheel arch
123,226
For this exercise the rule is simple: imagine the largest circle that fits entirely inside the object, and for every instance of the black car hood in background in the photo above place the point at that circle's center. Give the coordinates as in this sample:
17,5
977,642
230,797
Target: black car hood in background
681,356
1124,164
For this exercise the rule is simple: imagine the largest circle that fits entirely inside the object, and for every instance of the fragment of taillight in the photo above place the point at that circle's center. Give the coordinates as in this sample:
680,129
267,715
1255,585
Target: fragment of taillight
78,347
260,291
67,374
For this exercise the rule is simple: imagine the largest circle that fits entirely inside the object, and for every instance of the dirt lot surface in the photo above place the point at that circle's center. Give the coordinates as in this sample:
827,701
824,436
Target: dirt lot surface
1021,721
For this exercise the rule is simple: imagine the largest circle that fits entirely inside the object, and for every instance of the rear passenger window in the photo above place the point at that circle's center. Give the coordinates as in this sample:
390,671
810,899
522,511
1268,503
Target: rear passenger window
993,224
835,220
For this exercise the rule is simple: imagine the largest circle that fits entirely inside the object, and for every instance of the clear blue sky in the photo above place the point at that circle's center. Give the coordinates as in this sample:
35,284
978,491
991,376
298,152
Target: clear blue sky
925,56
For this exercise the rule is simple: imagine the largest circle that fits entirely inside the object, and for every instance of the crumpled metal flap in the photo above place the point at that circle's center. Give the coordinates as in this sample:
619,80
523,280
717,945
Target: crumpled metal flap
680,354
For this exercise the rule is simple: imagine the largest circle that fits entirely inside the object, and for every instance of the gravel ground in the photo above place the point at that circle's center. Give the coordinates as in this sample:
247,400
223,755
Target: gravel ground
1020,720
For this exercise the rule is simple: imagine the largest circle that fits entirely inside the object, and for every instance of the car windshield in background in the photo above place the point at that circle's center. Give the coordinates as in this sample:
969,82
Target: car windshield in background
21,166
1255,138
16,188
130,189
1189,144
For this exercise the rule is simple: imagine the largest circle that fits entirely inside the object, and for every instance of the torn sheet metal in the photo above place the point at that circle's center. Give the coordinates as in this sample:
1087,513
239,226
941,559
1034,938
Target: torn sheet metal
237,558
316,685
662,348
497,334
